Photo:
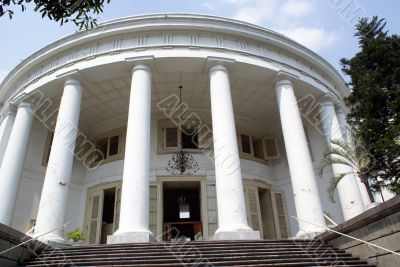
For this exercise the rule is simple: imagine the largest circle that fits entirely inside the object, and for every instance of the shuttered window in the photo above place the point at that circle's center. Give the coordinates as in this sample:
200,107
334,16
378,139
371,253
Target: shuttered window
171,137
271,148
117,207
281,215
212,212
153,209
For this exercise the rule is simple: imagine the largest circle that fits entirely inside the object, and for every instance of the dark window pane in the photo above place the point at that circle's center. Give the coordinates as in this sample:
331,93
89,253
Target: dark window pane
102,146
190,141
258,148
113,149
245,143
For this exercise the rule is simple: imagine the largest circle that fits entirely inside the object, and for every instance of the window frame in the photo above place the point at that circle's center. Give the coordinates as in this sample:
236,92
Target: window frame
162,135
121,143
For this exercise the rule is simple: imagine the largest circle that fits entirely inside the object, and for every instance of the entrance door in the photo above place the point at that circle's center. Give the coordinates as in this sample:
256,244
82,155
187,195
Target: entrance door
94,222
102,205
266,211
182,210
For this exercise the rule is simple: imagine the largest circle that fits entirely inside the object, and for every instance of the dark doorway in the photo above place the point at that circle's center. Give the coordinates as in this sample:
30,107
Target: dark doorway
108,214
182,215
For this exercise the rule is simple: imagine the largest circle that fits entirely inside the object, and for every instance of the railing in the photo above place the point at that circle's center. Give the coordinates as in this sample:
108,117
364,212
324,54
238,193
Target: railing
349,236
35,238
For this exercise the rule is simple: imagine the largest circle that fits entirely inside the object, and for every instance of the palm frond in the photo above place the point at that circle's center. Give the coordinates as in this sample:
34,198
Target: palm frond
333,184
344,149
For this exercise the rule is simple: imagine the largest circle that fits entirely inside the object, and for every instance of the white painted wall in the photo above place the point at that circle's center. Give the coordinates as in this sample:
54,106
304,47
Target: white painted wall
276,174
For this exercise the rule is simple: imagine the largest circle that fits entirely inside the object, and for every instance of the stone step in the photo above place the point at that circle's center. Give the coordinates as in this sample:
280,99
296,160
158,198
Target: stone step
186,246
185,257
214,243
208,262
278,253
187,250
197,254
201,243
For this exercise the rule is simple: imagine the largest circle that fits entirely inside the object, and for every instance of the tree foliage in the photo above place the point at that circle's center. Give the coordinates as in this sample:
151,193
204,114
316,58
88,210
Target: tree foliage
375,99
79,11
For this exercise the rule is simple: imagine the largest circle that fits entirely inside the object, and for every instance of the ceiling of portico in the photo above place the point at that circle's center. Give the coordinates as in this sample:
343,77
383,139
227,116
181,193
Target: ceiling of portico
107,89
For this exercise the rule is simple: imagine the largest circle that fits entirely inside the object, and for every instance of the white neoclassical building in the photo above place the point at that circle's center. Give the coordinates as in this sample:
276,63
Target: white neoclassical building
90,122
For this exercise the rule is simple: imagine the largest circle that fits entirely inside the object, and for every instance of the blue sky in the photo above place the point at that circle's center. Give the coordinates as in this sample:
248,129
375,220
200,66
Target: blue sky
325,26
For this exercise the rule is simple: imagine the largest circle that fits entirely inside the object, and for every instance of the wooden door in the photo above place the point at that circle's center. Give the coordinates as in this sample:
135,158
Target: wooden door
95,217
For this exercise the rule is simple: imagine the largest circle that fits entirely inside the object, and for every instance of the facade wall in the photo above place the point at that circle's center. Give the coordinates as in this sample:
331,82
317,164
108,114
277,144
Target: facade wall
275,174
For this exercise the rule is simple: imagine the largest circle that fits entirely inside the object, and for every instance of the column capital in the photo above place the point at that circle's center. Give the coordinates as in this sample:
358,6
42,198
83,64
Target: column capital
327,100
283,81
284,78
143,63
25,104
72,81
218,67
218,63
141,66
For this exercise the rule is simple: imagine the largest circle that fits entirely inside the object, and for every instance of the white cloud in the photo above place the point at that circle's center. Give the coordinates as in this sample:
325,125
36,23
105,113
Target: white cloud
255,11
208,5
297,8
314,38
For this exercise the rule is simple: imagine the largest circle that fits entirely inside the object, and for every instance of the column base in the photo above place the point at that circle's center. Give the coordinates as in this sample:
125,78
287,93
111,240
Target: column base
54,241
139,237
237,235
308,234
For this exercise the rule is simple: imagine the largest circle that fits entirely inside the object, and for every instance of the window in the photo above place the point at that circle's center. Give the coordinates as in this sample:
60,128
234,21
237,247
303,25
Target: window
113,145
189,139
172,137
109,145
102,146
271,148
246,143
258,148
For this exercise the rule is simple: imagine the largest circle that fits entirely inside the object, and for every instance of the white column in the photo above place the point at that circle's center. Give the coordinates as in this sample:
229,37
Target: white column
347,134
349,193
53,201
232,218
7,123
305,190
13,161
134,214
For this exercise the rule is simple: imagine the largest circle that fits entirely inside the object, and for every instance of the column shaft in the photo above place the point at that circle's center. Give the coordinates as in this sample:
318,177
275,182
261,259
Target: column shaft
347,134
232,218
5,130
134,214
305,190
348,190
13,161
53,201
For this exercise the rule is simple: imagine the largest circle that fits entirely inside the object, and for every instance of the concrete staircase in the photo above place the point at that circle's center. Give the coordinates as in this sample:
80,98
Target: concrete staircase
278,253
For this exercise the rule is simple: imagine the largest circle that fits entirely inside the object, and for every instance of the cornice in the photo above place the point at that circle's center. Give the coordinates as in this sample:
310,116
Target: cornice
159,31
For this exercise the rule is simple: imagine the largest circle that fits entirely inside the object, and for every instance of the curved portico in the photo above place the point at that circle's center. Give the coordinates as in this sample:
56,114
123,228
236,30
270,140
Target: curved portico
245,83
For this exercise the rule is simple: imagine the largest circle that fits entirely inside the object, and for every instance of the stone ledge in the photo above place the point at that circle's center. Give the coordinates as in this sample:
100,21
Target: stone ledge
9,238
381,211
